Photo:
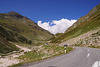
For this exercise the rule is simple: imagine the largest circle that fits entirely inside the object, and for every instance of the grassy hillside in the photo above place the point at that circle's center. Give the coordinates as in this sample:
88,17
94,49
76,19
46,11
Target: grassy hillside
5,46
84,24
17,23
17,28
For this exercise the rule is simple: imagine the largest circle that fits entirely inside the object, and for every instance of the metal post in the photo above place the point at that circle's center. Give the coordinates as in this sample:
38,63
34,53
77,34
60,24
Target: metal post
65,47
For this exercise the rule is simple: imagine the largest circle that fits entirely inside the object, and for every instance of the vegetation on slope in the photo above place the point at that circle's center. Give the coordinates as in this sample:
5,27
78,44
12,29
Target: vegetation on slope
15,22
46,51
86,23
5,46
17,28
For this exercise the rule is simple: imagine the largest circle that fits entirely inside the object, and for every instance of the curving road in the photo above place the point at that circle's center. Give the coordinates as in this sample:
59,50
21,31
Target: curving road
80,57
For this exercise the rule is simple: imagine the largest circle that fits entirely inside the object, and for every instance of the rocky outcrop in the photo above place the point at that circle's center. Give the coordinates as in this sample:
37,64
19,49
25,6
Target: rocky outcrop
93,39
85,39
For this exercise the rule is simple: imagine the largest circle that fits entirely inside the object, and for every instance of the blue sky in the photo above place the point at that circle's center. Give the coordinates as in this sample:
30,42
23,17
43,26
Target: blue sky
56,16
48,10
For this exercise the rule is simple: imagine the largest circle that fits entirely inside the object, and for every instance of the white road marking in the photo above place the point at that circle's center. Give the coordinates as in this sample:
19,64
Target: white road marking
88,55
96,64
99,63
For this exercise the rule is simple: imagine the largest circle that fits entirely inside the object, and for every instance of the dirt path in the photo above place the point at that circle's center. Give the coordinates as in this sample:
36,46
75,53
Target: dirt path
23,48
11,59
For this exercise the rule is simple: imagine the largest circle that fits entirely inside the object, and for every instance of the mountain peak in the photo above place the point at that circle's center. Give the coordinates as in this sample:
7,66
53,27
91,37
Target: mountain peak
15,14
12,12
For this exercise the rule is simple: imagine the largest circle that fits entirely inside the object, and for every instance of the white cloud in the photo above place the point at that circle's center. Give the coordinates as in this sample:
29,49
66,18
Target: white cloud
60,26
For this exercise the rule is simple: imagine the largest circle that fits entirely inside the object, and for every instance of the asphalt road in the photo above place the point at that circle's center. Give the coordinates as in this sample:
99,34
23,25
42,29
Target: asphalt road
80,57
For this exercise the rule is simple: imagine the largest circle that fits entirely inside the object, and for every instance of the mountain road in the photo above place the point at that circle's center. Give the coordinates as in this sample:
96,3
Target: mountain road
80,57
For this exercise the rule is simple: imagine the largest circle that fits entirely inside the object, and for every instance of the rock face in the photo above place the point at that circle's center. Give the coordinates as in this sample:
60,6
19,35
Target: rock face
92,37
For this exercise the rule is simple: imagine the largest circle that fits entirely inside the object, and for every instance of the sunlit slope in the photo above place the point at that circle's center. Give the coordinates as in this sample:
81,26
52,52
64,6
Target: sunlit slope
84,24
15,22
17,28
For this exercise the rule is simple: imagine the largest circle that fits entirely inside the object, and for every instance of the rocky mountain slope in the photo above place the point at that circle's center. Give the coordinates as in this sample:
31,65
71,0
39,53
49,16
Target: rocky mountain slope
17,28
89,22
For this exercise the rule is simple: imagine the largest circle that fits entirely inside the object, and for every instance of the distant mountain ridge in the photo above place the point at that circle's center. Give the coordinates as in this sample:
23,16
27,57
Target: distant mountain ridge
17,28
83,25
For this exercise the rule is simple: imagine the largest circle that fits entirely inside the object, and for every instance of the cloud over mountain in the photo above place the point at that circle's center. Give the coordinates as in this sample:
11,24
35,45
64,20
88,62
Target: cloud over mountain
56,26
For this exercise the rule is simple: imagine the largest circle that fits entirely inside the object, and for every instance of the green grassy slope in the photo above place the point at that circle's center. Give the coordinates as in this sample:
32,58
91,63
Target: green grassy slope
86,23
13,21
17,28
5,46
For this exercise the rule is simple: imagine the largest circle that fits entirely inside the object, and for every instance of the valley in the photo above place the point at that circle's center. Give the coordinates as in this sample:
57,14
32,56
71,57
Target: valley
22,41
